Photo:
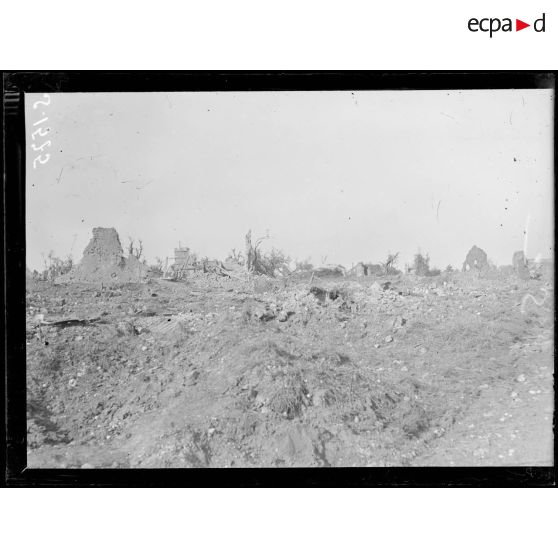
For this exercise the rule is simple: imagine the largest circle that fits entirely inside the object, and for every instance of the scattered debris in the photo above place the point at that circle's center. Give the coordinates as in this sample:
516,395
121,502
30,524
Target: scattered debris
249,370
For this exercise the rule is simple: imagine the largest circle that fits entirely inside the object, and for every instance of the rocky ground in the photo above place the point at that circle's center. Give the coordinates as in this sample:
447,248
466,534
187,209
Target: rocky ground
220,372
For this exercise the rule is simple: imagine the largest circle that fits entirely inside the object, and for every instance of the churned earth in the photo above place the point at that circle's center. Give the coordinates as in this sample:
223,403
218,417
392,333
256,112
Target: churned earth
224,372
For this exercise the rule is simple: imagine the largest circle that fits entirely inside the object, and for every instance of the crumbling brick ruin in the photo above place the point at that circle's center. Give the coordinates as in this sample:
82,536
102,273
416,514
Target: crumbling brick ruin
184,257
360,270
103,261
519,260
476,259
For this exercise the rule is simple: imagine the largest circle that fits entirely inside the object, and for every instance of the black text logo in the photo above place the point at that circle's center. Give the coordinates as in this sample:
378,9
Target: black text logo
493,25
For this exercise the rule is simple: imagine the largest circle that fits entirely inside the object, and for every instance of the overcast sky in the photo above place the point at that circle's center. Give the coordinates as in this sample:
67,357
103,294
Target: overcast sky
345,176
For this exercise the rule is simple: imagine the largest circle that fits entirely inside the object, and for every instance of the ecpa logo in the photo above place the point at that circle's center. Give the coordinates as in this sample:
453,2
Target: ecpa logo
494,24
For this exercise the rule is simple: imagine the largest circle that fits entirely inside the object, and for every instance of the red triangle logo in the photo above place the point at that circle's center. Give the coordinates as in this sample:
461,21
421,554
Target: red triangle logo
519,25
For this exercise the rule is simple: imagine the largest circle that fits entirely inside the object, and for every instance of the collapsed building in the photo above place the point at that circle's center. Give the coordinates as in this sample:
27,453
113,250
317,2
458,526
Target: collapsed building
520,265
365,270
329,271
476,259
534,268
359,270
103,261
183,257
184,261
374,269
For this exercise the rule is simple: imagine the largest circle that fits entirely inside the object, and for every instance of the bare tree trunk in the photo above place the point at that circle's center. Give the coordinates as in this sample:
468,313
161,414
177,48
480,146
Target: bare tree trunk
139,249
249,263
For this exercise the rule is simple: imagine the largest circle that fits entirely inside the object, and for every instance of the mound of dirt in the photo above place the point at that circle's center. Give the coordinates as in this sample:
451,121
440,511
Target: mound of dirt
224,372
104,262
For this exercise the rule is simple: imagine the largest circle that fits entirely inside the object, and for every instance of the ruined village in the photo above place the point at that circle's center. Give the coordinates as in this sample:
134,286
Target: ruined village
259,361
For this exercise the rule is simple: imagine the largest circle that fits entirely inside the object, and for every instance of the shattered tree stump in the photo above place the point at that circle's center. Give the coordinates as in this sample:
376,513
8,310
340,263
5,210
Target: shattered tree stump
250,253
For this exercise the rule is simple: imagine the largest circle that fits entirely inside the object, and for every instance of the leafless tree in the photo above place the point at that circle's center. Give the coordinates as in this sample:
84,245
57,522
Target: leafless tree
275,261
130,246
133,250
237,256
389,264
139,250
55,266
421,264
252,253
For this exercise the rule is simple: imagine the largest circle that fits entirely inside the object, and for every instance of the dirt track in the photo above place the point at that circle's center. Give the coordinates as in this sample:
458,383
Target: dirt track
216,372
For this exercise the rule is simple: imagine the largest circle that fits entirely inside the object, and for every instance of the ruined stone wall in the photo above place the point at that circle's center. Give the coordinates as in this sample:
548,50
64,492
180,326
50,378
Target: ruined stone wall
103,261
476,259
360,270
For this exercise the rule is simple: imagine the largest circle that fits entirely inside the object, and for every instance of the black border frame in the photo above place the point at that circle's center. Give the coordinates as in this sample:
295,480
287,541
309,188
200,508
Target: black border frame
15,85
